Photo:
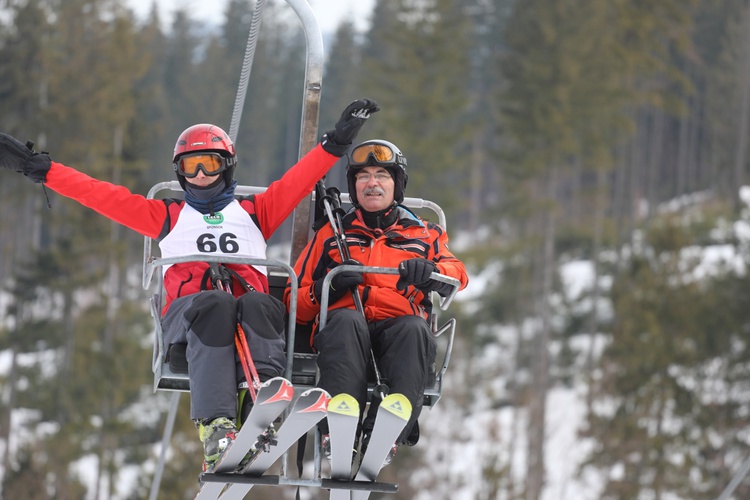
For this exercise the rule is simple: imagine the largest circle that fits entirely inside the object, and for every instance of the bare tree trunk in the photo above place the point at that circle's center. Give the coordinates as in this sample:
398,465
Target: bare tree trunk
593,319
535,466
515,388
106,442
637,157
695,180
680,186
575,203
9,401
655,159
68,352
741,156
113,297
618,209
476,180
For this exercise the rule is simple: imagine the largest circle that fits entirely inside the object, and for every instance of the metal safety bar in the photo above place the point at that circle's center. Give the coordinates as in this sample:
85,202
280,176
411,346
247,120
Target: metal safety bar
160,348
432,394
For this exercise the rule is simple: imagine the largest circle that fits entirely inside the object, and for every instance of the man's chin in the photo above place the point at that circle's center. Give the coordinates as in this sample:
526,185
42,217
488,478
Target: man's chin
373,207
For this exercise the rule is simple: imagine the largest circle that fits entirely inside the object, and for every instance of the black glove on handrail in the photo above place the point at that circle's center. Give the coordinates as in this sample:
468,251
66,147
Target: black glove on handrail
417,272
338,140
341,284
23,159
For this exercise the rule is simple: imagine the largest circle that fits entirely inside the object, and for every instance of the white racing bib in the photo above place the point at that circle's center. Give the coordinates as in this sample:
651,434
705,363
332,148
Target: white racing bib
229,232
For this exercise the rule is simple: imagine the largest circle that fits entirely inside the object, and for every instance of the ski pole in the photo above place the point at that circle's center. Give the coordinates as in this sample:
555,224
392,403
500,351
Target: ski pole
221,280
246,360
332,197
340,238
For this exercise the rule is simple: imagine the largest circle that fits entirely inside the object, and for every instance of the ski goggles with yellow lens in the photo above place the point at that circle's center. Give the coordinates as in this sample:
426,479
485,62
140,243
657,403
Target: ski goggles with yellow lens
210,163
376,154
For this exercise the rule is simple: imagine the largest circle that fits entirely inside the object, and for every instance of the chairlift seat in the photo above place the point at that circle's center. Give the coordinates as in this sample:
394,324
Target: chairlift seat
170,365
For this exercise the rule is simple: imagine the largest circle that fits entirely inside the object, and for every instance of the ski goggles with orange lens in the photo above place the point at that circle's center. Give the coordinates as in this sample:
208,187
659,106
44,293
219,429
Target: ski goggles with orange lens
376,155
210,163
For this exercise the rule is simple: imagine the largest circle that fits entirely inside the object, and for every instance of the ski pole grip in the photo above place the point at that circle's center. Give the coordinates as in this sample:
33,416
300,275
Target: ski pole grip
335,195
215,275
325,201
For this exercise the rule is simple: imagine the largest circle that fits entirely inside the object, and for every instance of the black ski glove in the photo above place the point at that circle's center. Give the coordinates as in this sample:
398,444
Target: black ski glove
23,159
417,272
338,140
341,284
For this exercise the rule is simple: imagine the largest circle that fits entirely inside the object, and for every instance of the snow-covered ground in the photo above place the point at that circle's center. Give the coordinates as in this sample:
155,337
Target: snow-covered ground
473,434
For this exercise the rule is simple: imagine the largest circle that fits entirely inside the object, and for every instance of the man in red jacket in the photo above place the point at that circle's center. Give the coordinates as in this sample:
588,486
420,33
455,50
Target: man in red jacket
199,320
379,232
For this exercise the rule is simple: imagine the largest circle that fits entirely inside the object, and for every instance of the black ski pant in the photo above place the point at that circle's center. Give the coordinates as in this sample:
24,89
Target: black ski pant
404,350
206,322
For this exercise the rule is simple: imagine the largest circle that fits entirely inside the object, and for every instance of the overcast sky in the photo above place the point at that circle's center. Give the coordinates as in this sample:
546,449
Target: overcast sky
328,12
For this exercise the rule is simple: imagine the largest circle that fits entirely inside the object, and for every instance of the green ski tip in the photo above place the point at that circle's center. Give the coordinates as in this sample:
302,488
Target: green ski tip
398,405
344,404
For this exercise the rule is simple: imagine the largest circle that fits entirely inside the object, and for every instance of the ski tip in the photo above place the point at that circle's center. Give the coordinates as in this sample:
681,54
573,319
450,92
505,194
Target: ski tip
276,380
282,390
318,397
397,404
344,404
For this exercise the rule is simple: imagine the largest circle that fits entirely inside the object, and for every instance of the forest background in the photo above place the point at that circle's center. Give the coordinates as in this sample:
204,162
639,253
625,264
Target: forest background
611,135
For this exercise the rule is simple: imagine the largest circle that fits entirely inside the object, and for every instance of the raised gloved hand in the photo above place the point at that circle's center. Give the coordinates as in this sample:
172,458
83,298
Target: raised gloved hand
338,140
23,159
341,284
417,272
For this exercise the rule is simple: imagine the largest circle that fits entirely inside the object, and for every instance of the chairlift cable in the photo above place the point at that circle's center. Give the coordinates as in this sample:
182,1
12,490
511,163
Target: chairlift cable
247,63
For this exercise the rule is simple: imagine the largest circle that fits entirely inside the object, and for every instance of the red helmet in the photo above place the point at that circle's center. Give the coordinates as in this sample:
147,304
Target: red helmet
205,137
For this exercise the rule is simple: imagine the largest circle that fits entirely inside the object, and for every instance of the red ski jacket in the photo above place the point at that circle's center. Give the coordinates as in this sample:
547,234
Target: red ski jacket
155,218
408,238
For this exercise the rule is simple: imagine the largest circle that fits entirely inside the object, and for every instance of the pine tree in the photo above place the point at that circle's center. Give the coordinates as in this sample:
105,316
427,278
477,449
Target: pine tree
92,342
23,95
150,145
414,63
664,428
341,85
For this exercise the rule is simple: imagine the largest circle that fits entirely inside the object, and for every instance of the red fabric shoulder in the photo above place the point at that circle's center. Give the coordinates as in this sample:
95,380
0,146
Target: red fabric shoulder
174,207
173,211
248,204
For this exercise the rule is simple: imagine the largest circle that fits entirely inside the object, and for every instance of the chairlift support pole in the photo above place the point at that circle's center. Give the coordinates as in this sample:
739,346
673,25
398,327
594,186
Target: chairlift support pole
736,480
310,112
166,438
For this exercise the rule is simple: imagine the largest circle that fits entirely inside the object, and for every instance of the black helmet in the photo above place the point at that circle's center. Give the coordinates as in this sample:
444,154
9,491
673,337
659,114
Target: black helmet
377,153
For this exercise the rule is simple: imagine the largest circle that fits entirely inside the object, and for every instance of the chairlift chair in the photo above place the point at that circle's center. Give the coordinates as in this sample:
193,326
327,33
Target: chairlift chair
301,369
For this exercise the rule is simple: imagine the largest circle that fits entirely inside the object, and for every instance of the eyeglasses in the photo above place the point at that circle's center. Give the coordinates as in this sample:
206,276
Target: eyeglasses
376,155
210,163
381,177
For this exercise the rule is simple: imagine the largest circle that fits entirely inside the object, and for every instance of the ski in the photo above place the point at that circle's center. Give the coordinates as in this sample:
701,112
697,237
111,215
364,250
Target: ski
273,397
308,410
393,414
343,417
